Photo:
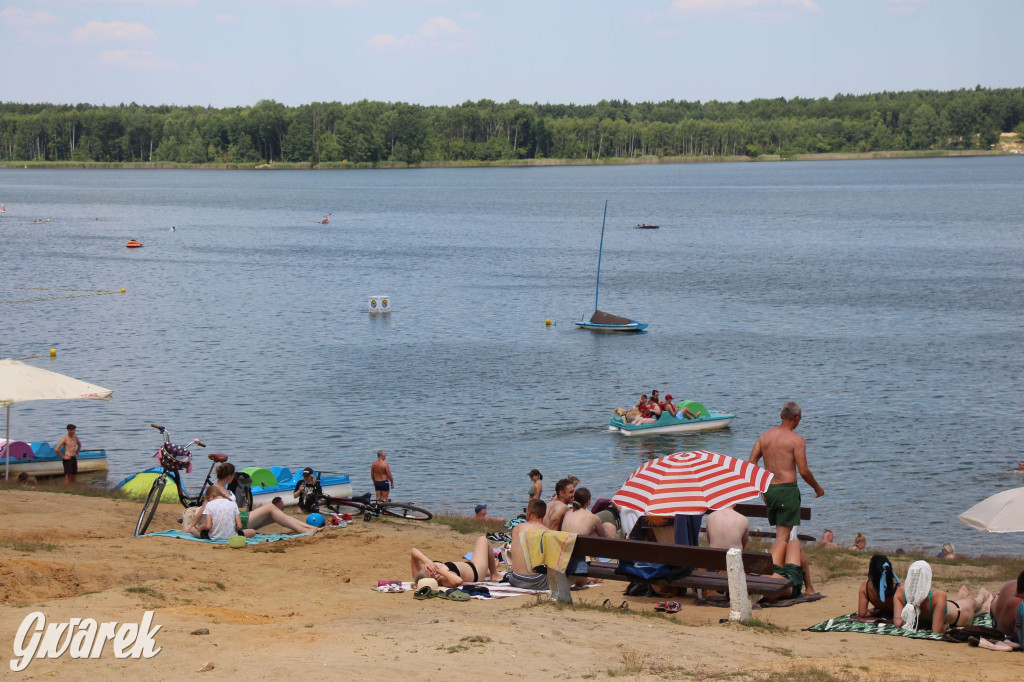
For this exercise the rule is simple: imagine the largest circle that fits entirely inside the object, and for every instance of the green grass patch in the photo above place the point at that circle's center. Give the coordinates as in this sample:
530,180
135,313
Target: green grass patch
21,546
467,525
56,485
144,592
632,663
763,625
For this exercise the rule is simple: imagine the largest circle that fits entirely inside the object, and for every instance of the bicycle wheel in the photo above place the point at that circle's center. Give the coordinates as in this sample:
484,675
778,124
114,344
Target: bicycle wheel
341,505
405,511
149,509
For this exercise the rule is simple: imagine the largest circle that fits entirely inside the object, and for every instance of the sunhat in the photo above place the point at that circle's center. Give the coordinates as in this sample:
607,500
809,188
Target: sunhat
426,582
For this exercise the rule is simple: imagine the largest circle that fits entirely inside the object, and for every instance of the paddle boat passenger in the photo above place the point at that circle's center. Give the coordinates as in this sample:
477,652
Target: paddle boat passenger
645,414
272,512
481,566
915,601
877,592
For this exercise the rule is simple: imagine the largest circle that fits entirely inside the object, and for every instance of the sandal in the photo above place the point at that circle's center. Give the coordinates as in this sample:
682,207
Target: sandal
661,606
455,595
607,604
624,605
425,592
673,607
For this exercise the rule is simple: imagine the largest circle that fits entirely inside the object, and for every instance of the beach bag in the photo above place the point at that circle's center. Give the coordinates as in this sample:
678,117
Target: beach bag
643,570
189,517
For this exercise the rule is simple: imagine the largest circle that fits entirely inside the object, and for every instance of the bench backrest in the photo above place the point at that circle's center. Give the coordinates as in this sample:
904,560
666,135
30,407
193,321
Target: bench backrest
675,555
761,511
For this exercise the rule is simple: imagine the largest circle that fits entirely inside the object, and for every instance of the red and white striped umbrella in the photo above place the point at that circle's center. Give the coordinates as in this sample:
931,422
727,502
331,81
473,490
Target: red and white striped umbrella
691,483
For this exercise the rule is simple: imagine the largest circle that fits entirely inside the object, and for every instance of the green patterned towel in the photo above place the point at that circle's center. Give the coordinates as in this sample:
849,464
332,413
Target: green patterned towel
848,624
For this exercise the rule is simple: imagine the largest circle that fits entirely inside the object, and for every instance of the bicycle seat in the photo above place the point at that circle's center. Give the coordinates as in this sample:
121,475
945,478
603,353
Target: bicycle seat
218,457
364,498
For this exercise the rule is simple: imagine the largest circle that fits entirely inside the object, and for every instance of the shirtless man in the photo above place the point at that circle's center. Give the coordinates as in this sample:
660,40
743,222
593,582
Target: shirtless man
1005,605
383,481
791,562
522,574
728,529
784,454
68,449
564,492
581,521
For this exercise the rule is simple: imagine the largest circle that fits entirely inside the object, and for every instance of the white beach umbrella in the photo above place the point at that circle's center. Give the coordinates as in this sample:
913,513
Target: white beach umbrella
20,383
1001,513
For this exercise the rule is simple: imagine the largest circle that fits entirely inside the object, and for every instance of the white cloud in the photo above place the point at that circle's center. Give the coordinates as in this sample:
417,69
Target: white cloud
96,32
135,60
15,16
436,34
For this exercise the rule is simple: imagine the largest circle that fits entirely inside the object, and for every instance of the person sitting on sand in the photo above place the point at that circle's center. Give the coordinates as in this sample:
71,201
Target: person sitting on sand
828,539
218,518
521,574
565,491
272,512
582,521
791,562
453,573
727,528
877,592
860,543
915,601
26,481
1005,605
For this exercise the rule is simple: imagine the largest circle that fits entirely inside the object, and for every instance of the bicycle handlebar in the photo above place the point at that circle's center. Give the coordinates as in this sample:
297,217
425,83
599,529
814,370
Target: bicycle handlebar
199,443
158,427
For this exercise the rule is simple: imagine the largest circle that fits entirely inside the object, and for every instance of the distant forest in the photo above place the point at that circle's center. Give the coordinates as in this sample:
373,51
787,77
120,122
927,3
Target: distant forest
367,133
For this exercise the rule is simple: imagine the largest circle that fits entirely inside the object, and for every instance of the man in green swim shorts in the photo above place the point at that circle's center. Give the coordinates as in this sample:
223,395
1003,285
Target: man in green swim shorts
784,454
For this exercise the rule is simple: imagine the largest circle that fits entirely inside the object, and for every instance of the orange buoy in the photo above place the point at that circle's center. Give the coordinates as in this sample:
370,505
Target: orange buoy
133,244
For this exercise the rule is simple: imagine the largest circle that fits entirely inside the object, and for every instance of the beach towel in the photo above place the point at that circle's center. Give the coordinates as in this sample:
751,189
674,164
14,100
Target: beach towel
548,548
874,626
723,600
495,590
254,540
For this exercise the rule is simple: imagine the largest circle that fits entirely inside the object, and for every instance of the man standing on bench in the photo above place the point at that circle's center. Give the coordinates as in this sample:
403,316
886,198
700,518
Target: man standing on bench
784,454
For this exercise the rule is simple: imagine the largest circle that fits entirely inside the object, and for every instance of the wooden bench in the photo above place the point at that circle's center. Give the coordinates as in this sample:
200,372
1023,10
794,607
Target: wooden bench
737,572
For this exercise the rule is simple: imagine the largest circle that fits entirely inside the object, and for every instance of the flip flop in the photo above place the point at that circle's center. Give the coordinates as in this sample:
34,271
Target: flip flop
624,605
425,592
607,604
661,606
673,607
456,595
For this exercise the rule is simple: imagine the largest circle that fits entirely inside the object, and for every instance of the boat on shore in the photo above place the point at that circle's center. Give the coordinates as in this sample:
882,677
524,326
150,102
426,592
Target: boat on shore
706,420
267,483
40,459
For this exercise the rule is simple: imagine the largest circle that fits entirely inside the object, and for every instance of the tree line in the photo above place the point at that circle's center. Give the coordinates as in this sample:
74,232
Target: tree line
365,132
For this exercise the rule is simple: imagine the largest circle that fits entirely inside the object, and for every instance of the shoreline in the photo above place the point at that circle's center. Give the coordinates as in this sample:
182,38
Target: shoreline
313,602
511,163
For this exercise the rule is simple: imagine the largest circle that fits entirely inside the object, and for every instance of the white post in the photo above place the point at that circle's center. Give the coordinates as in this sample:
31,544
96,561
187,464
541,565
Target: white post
561,590
739,600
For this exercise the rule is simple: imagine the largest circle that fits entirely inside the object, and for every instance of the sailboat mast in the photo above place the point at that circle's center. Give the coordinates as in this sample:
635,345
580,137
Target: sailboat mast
600,249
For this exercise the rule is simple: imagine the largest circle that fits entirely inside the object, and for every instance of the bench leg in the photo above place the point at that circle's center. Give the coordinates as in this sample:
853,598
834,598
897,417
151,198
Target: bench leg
560,590
739,600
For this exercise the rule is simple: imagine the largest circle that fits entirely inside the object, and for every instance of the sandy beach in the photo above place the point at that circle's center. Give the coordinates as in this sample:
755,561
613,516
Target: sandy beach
309,605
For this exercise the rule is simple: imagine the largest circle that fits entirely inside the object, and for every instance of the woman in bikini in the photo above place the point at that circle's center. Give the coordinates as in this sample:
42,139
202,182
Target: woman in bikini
915,600
877,592
454,573
538,487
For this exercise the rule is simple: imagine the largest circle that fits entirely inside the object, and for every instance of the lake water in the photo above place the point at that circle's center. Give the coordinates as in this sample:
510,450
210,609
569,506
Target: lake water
884,296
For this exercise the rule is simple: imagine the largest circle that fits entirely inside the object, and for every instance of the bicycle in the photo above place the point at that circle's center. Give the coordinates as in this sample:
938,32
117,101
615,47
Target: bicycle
173,458
363,505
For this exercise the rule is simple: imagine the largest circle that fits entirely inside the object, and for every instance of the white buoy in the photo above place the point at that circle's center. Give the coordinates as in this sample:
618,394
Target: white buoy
380,304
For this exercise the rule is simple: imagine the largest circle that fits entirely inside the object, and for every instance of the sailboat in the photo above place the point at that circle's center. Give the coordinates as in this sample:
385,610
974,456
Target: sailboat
600,320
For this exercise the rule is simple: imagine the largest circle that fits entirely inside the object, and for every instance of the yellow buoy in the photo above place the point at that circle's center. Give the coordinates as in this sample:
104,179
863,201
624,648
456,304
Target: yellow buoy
53,352
548,322
122,290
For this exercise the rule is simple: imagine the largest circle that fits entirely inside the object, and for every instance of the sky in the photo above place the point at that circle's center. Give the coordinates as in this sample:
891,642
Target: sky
224,53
